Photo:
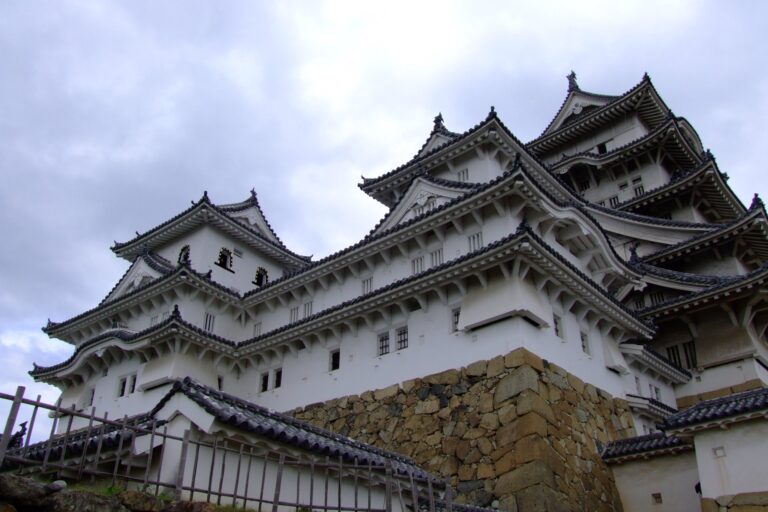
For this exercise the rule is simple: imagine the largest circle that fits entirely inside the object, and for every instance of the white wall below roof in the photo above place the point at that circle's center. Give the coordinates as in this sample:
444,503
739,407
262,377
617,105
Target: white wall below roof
723,376
672,476
732,460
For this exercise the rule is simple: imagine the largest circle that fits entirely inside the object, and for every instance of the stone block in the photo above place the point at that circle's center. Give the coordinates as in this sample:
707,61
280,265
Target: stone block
485,446
747,386
513,384
526,425
489,421
520,357
540,498
751,498
448,377
476,369
427,406
709,505
466,472
506,463
557,380
535,472
495,367
388,392
507,414
529,401
462,449
485,470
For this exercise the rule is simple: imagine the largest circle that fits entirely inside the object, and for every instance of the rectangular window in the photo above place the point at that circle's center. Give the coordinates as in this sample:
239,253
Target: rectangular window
673,354
639,190
153,320
264,382
583,185
613,201
455,314
462,175
121,387
219,382
639,302
657,393
91,396
307,309
689,349
650,390
257,329
436,257
278,378
294,314
602,149
417,265
131,383
657,298
367,285
637,386
623,186
475,241
557,325
335,361
383,343
585,343
209,320
402,338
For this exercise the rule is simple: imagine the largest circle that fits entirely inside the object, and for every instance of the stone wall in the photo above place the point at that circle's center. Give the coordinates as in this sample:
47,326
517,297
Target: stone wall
515,430
746,502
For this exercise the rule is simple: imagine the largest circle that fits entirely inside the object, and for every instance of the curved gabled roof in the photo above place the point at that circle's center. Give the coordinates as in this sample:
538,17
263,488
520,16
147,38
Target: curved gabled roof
204,211
707,177
642,98
682,148
754,216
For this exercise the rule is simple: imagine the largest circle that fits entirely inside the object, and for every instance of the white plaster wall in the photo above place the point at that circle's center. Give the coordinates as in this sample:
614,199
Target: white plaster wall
673,476
732,460
723,376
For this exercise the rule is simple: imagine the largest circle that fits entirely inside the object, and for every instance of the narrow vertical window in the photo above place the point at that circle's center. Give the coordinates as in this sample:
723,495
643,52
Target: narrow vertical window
689,349
383,343
475,241
209,321
673,354
219,382
455,314
294,314
613,201
307,309
225,259
257,329
417,265
278,378
121,387
335,361
367,285
264,382
557,325
436,257
91,396
402,338
637,385
131,383
462,175
584,343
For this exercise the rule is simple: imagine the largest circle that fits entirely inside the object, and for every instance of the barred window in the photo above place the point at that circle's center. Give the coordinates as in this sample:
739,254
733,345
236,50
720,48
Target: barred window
417,265
210,318
613,201
462,175
307,309
455,314
557,325
257,329
294,314
436,257
585,343
367,285
402,338
475,241
383,343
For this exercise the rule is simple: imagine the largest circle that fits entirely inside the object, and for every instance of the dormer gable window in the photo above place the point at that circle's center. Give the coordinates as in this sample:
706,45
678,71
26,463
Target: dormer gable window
225,259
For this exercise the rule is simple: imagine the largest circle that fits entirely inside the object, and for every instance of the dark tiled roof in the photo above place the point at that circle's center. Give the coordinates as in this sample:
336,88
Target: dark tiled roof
647,219
659,357
251,202
153,261
205,202
736,281
181,270
286,429
756,211
683,277
644,445
719,408
174,320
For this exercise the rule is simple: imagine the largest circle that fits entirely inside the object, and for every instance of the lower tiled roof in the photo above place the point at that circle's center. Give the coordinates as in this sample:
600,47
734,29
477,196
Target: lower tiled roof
286,429
643,445
719,408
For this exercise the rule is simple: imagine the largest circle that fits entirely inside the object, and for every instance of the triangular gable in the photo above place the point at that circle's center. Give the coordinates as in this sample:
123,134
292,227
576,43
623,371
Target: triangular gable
576,105
422,196
437,137
138,274
250,213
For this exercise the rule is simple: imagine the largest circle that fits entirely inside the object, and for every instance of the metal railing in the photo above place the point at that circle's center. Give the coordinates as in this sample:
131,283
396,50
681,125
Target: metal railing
140,452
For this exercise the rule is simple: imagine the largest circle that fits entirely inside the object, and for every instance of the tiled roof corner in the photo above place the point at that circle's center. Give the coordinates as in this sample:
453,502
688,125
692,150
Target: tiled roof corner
728,407
656,443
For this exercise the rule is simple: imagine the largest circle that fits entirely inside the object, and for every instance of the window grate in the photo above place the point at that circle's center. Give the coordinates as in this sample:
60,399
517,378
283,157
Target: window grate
383,343
402,338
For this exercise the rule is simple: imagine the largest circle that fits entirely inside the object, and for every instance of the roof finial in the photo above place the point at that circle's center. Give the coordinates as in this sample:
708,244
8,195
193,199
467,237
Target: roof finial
573,85
756,202
176,313
438,120
253,193
491,113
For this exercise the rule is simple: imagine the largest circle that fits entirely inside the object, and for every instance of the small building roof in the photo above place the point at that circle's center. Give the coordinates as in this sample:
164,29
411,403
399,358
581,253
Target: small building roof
285,429
740,406
643,447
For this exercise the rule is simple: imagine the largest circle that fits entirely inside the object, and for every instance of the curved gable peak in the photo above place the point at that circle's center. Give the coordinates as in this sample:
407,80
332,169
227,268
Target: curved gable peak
423,195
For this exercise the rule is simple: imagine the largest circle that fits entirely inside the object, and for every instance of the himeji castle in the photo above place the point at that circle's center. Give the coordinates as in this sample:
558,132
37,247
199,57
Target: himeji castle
608,256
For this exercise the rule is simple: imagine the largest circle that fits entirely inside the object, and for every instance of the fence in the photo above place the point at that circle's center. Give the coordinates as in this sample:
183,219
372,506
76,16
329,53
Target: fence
141,452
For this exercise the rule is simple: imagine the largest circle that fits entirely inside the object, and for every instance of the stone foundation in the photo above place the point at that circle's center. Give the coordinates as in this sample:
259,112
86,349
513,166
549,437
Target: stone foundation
747,502
515,429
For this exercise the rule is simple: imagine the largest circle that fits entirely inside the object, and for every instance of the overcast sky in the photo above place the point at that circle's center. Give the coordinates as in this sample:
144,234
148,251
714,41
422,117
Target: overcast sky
115,115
